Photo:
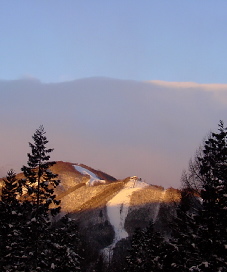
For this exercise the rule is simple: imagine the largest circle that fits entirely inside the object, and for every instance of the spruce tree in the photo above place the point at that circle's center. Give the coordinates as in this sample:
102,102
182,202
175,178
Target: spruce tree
30,239
144,254
39,180
39,199
180,252
11,214
213,217
63,248
209,236
136,253
10,188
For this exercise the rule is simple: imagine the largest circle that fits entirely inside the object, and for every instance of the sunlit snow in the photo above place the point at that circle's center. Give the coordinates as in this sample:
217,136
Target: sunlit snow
93,178
117,210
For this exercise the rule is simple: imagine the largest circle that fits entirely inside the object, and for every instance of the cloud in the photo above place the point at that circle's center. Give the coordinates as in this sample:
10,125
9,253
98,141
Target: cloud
219,91
210,87
149,129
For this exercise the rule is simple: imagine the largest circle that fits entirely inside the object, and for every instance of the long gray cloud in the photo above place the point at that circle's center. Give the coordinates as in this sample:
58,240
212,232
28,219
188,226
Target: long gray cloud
149,129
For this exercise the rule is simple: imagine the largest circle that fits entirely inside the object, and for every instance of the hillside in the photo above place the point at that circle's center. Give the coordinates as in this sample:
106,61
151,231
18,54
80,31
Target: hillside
108,211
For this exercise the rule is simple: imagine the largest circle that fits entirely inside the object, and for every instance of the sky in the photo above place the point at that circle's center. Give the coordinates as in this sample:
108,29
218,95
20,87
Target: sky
128,87
122,127
57,40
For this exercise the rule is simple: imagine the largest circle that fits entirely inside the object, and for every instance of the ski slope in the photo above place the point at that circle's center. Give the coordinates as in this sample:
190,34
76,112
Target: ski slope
94,179
117,210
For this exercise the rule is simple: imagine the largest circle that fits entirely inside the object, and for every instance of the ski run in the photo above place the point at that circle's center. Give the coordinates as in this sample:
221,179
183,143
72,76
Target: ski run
93,178
117,210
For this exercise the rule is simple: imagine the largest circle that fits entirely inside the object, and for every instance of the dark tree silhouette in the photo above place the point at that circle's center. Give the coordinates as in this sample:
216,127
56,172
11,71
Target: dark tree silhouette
144,254
208,233
30,238
11,227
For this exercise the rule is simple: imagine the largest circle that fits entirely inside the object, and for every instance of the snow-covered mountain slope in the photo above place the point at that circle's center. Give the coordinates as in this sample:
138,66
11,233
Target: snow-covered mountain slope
108,214
84,190
117,210
108,211
94,179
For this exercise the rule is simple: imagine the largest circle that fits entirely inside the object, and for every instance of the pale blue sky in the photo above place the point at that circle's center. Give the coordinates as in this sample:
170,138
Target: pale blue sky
177,40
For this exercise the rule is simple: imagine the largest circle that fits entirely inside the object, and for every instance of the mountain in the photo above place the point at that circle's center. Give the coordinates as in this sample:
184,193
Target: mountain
108,211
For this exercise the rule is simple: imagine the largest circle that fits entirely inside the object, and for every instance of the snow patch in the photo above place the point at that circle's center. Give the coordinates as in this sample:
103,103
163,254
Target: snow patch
117,210
94,179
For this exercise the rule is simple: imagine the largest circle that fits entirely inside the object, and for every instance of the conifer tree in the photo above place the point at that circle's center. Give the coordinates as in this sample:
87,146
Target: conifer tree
144,254
39,198
11,210
209,236
10,188
213,217
63,247
39,180
136,253
180,252
30,240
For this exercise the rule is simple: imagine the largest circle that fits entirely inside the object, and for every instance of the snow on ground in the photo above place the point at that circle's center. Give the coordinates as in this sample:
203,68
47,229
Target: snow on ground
117,210
93,178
